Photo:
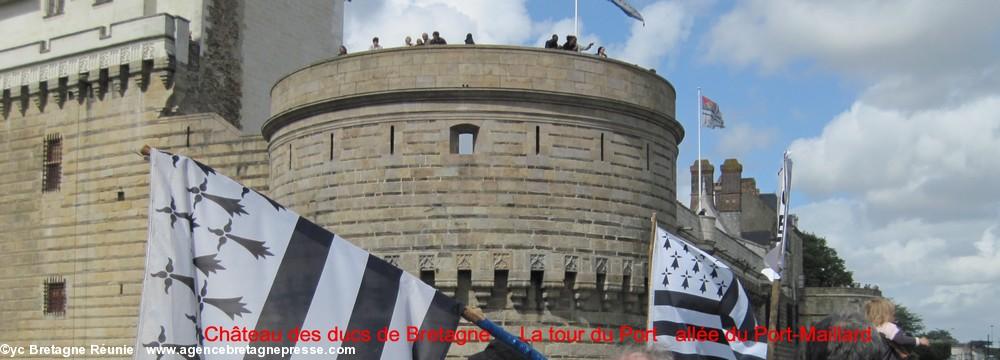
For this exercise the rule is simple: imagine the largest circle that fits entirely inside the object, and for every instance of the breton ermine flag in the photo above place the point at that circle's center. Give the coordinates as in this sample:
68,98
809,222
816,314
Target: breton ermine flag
222,256
692,290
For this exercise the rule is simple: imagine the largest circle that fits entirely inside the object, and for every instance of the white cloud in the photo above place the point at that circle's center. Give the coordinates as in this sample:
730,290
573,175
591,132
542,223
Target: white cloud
667,25
946,271
740,139
938,163
870,37
490,22
508,23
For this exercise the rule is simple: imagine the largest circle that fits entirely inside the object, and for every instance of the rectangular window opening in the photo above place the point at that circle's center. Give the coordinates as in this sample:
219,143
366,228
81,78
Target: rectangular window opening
498,297
535,300
331,145
569,283
602,146
392,140
602,285
427,276
52,163
647,156
55,297
464,286
538,139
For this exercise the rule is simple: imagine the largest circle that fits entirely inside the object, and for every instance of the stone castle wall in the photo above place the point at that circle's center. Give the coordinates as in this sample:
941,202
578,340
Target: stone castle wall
548,219
818,302
91,232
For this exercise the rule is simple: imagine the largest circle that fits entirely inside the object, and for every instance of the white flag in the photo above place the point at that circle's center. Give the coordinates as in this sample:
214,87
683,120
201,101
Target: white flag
693,290
775,259
222,257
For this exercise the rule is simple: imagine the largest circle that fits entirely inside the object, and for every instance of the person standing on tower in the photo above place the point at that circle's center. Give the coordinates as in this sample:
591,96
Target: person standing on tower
436,39
552,43
375,45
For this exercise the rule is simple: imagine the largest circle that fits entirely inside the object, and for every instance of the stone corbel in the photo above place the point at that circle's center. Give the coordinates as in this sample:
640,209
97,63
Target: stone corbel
482,291
519,293
39,93
22,100
164,67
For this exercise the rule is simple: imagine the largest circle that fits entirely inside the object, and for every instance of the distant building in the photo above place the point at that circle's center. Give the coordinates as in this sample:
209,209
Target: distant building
968,351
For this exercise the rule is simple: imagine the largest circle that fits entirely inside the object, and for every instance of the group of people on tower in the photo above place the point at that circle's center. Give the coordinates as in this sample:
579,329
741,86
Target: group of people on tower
435,38
571,44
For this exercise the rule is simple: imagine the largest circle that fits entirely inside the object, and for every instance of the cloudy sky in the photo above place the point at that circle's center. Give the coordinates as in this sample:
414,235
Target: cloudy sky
891,110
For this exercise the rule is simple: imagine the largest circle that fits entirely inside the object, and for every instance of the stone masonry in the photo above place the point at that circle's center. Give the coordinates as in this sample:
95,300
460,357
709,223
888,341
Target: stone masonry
546,223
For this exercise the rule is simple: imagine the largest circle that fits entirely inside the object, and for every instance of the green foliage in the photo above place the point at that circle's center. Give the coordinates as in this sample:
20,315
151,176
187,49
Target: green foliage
821,264
937,351
909,321
940,335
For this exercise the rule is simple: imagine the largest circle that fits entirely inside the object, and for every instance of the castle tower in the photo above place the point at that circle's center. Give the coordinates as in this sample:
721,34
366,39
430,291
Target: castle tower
729,199
708,181
83,85
225,54
521,180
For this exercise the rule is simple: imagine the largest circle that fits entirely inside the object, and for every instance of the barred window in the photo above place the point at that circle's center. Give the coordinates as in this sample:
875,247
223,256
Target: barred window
55,296
52,163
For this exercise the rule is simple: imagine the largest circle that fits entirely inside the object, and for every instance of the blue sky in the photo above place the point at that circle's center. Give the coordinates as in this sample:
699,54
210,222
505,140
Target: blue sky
891,110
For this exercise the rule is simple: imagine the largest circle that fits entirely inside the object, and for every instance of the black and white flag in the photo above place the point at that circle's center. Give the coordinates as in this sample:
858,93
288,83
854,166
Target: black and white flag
775,258
692,290
223,256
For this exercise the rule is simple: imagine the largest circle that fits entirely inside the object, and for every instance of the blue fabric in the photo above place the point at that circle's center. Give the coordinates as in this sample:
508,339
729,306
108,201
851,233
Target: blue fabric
509,339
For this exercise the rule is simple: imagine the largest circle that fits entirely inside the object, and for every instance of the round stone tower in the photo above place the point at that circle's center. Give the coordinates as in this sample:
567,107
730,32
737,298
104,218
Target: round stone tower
521,180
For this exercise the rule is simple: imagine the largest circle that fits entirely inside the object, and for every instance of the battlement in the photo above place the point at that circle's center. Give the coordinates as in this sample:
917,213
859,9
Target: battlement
130,42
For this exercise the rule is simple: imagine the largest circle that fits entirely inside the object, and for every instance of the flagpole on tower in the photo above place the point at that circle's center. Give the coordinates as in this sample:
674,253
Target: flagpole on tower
701,180
649,270
576,18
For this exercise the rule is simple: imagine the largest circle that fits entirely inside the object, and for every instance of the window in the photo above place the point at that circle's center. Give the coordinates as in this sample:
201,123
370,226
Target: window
535,299
538,139
499,294
602,146
52,163
392,140
463,139
55,297
54,7
427,276
569,284
464,286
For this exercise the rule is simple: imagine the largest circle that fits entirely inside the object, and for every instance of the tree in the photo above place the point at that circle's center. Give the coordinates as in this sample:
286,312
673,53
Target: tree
821,264
941,335
909,321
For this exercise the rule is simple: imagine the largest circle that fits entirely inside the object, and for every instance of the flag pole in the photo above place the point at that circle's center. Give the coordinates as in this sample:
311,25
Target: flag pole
576,19
701,180
649,270
476,316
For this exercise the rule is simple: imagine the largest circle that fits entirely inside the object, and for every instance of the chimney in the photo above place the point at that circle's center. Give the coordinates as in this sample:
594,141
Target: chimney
730,197
708,179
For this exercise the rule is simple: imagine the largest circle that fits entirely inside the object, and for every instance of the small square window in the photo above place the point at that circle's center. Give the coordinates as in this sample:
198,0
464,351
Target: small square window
463,139
55,297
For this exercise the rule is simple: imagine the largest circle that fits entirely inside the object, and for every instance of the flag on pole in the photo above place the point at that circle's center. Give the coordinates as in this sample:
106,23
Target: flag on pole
693,290
629,10
223,256
775,259
711,117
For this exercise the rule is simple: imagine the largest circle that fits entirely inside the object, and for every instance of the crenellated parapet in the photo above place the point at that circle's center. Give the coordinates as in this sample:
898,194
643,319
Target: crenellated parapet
92,62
